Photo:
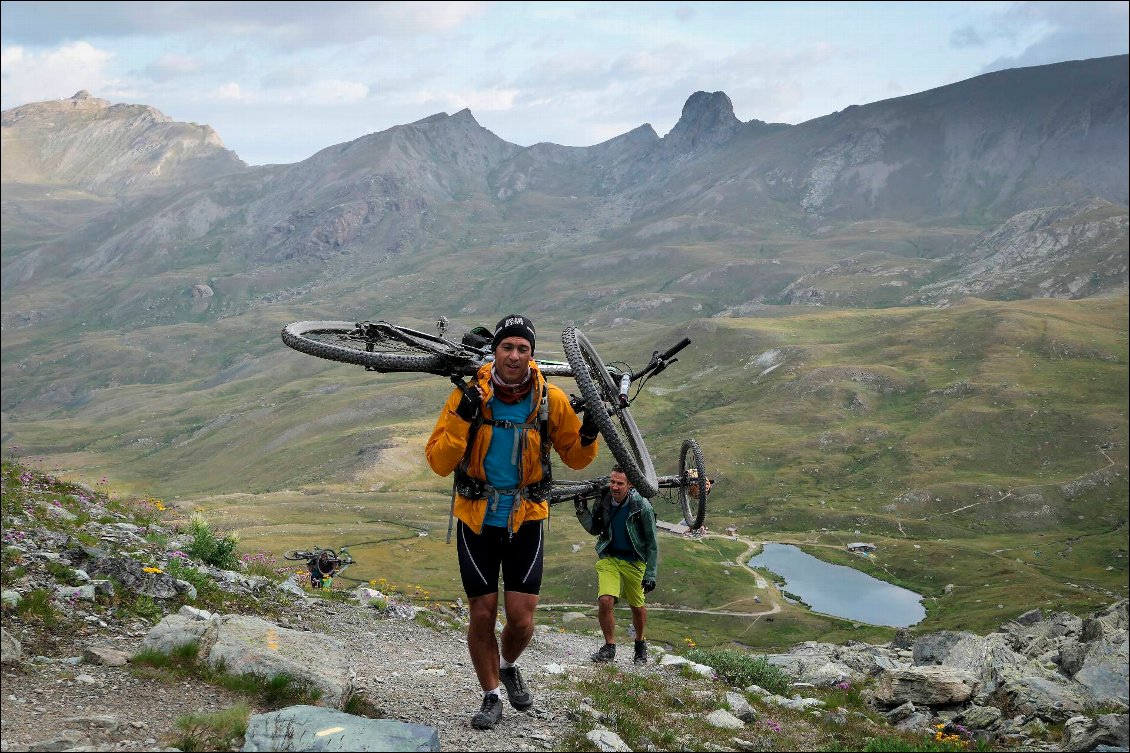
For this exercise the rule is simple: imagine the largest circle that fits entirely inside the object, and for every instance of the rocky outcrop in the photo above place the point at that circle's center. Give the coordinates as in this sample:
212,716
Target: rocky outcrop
108,149
707,121
1054,252
1030,672
928,686
314,728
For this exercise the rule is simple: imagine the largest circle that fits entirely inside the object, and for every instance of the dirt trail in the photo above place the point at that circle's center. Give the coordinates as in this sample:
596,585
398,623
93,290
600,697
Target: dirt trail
772,595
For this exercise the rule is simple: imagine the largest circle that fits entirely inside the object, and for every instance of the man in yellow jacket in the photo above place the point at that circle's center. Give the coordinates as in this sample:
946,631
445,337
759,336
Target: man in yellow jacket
495,434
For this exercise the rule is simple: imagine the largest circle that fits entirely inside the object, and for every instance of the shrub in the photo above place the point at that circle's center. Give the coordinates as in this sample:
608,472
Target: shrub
37,604
261,563
741,669
212,731
206,546
144,607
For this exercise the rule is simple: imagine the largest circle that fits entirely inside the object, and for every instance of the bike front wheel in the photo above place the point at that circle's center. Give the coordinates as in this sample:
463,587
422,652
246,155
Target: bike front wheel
692,484
602,395
380,347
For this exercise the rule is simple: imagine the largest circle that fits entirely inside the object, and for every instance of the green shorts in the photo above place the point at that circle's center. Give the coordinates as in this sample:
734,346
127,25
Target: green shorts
617,577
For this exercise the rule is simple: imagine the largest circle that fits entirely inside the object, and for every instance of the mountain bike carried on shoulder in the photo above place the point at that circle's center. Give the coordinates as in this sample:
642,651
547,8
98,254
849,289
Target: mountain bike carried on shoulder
691,486
606,389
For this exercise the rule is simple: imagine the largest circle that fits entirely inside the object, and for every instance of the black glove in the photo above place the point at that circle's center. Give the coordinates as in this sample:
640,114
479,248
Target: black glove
581,504
589,429
471,403
648,586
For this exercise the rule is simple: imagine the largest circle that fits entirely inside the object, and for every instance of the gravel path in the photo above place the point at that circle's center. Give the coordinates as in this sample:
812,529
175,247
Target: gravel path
419,675
410,672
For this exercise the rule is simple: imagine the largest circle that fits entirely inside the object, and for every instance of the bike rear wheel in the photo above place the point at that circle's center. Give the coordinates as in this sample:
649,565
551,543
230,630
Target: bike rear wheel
692,496
381,347
297,554
616,426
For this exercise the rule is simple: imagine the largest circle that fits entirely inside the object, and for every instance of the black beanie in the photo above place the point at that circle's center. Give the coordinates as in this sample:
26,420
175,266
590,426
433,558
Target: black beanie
513,325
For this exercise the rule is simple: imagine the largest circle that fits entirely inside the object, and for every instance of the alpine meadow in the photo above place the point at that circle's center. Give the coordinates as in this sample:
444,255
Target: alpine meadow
908,326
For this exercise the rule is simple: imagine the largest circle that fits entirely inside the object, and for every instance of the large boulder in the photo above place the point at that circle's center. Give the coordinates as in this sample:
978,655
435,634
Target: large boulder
925,686
1038,697
825,664
1107,732
250,645
132,576
174,631
10,649
1103,670
300,728
990,659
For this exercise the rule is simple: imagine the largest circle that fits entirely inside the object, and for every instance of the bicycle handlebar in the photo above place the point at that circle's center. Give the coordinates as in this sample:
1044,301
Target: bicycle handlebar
660,361
682,344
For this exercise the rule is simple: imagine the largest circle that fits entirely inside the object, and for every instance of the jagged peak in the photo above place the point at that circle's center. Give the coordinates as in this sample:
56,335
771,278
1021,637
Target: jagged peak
643,134
707,119
431,119
83,99
465,116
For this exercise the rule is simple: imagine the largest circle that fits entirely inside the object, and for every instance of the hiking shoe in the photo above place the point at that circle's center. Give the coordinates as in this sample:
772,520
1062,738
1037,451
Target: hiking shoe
516,689
641,652
489,714
606,653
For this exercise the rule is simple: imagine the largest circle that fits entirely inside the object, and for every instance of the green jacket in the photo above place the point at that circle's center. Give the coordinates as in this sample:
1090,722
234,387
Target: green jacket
641,528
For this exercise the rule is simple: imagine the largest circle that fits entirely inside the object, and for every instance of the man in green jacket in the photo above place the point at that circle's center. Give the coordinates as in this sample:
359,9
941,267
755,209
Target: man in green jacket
627,547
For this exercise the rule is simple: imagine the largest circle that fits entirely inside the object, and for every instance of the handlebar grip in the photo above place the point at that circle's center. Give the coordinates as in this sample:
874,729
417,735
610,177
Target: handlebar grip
682,344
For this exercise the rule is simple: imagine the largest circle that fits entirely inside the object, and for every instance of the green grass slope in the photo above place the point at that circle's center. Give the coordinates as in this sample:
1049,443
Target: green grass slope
982,447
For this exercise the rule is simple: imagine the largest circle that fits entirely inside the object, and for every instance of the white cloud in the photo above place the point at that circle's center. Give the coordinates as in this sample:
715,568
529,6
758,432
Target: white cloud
330,92
283,25
477,100
1062,31
35,76
229,90
170,66
488,100
316,93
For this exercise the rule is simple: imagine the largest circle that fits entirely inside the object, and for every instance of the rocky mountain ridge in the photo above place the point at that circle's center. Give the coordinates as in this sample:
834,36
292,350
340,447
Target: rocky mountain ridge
108,150
382,656
979,150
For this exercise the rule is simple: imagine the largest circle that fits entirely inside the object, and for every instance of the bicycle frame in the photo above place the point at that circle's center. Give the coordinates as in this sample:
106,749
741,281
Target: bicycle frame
595,488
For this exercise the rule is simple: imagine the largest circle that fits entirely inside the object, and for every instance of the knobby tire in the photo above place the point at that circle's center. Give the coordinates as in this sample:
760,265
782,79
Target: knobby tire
618,428
344,342
693,506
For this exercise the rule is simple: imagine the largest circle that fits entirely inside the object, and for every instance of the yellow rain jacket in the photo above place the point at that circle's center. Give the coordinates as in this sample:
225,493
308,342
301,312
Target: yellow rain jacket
448,443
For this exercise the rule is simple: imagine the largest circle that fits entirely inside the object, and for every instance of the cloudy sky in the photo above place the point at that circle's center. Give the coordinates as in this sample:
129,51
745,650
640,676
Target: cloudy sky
281,80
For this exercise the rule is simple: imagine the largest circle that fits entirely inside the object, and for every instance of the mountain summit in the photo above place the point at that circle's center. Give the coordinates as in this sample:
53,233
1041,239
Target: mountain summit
108,150
707,120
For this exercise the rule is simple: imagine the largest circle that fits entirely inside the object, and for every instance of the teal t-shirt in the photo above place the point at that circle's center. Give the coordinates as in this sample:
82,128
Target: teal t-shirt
621,545
502,465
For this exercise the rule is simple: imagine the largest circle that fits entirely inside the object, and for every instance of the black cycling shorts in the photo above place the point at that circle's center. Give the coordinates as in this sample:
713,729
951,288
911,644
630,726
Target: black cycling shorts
481,556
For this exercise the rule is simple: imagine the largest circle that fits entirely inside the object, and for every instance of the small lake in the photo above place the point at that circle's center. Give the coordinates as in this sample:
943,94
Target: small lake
839,590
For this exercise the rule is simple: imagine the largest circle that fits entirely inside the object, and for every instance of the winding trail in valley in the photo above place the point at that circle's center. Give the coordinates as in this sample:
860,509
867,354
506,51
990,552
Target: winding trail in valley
772,596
